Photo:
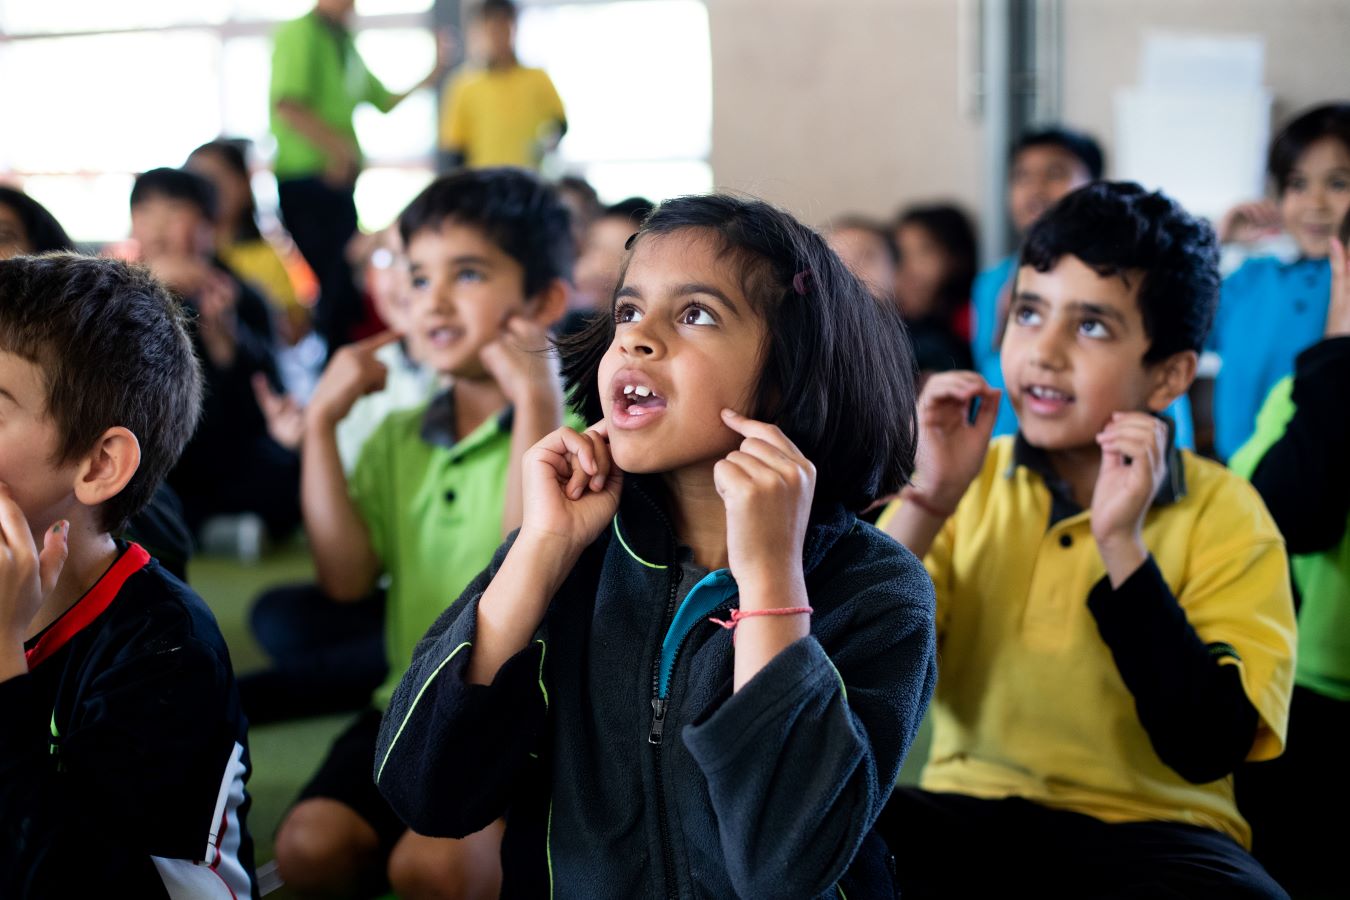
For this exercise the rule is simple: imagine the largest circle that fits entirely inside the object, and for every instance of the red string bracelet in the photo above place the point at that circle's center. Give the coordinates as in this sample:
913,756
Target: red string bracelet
738,614
909,495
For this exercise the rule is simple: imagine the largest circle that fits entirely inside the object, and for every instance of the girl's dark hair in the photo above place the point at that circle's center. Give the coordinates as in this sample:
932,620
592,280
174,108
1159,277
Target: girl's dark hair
838,375
44,233
1328,120
233,152
1117,227
951,228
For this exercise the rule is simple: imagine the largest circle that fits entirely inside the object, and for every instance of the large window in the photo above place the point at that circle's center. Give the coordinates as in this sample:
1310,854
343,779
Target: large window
636,79
96,91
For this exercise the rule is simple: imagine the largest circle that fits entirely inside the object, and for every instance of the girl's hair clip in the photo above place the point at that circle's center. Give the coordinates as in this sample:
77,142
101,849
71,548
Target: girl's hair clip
628,244
801,280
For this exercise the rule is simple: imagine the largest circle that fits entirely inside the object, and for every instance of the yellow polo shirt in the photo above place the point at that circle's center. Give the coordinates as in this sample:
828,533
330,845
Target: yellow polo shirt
1029,701
497,117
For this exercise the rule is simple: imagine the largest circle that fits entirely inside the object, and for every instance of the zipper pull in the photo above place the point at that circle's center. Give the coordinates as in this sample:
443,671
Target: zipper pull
658,720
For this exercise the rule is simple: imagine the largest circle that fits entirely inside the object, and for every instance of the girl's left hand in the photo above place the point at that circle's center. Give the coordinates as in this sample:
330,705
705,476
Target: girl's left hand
767,486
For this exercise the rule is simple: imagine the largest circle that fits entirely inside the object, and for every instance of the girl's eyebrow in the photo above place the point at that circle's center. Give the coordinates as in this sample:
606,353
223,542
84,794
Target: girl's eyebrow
684,290
698,287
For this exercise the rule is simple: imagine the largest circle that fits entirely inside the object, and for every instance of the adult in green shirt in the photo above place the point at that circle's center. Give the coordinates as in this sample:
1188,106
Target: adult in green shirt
318,79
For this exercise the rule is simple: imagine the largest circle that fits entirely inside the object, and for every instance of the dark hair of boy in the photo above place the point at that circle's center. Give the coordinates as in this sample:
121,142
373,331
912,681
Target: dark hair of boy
872,227
489,9
234,154
634,209
1081,145
176,184
44,233
513,208
951,228
1119,229
114,349
838,369
1329,120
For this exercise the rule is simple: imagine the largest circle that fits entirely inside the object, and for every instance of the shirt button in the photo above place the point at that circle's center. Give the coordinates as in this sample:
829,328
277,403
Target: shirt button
1065,540
449,496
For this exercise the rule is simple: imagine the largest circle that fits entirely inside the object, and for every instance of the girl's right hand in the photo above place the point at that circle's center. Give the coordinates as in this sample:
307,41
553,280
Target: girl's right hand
571,487
951,448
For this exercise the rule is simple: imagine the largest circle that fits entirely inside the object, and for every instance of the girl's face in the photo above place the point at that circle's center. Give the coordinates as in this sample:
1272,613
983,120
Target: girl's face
687,344
1316,197
232,192
923,266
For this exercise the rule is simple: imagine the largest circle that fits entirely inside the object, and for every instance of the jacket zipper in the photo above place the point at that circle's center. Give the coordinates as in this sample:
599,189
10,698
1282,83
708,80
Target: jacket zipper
654,738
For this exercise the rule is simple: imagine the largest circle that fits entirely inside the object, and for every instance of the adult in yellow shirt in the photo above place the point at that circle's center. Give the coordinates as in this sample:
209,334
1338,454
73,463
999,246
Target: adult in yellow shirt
499,113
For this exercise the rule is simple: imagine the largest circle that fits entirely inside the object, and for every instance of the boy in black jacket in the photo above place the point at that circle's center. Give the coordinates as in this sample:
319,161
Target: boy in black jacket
123,752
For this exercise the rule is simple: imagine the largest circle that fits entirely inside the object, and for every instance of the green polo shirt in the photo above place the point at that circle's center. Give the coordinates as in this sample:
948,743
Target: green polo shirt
315,63
1323,579
434,513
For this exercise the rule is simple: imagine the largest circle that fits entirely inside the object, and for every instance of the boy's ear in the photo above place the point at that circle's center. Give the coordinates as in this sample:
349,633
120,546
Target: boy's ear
1172,377
549,304
107,468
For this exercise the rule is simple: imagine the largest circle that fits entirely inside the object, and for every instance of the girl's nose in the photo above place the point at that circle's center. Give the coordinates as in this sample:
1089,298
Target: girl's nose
639,340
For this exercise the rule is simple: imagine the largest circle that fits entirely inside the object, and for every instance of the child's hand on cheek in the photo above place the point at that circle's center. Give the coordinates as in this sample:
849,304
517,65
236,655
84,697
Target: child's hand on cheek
521,362
767,486
571,488
26,578
1134,463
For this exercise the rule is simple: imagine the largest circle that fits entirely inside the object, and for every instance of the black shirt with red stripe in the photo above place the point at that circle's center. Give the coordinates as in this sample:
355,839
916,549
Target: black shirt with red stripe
123,751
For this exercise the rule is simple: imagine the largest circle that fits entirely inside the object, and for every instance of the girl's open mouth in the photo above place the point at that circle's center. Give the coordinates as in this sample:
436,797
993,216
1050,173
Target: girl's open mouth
635,402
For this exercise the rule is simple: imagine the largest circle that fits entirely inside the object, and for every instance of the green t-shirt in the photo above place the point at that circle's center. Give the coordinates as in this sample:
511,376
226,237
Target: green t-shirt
1323,579
434,514
315,63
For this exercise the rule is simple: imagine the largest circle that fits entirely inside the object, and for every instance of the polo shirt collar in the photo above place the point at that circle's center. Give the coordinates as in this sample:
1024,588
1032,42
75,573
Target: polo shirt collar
1062,505
438,422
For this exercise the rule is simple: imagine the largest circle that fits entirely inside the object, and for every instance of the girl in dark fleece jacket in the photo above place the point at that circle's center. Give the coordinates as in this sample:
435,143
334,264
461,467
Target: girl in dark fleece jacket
692,672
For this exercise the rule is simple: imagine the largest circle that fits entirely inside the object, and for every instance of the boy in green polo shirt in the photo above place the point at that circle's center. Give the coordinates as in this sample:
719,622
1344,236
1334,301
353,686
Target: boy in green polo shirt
434,491
1115,629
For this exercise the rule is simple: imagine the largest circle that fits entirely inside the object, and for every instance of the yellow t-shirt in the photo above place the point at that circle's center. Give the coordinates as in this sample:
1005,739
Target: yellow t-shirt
497,117
257,262
1029,701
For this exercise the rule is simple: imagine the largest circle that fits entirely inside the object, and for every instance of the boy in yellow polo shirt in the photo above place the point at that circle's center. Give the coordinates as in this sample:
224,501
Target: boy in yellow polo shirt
1116,632
502,113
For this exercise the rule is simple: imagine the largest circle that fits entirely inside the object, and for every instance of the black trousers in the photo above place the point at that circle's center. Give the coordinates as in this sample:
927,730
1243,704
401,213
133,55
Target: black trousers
322,219
326,656
953,846
1290,799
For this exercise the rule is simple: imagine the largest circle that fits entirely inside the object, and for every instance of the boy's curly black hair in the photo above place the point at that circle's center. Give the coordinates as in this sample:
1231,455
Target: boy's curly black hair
1119,228
838,375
